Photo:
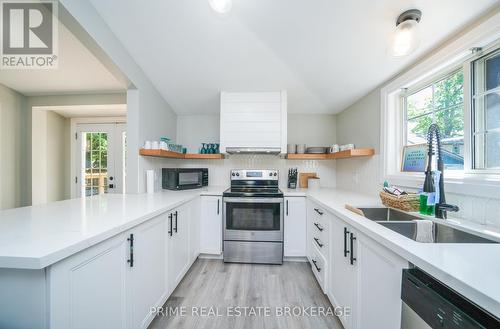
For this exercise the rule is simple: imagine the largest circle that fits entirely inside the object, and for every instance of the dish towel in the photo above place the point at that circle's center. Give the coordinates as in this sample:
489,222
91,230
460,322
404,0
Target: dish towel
425,231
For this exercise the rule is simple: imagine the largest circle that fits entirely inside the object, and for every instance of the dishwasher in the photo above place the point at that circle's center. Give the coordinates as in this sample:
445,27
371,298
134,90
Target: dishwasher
428,303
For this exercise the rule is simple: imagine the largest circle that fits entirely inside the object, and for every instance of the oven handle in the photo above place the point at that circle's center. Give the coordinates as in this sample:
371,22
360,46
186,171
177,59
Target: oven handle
252,200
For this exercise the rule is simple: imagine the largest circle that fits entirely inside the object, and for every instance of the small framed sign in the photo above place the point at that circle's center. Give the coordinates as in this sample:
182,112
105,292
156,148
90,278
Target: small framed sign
414,158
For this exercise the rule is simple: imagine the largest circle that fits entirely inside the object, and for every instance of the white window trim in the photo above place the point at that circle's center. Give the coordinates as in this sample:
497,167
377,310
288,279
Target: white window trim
453,55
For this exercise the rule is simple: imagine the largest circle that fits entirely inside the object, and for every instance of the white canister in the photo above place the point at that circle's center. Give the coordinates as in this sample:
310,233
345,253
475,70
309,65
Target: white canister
155,145
313,183
147,145
291,148
335,148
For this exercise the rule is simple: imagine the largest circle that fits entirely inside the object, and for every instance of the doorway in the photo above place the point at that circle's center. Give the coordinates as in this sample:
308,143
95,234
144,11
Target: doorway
100,158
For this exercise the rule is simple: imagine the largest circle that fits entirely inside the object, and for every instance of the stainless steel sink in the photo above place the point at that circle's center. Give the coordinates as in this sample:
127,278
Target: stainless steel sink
404,224
442,233
387,214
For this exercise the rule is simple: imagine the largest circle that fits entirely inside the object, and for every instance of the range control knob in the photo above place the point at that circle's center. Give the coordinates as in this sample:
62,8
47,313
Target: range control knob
232,174
270,174
275,174
237,174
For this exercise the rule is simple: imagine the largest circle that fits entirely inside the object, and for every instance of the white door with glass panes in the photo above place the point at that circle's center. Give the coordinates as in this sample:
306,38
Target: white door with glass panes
100,159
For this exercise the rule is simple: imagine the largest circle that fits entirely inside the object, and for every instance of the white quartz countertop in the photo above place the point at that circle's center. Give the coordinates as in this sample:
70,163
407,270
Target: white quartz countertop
38,236
471,269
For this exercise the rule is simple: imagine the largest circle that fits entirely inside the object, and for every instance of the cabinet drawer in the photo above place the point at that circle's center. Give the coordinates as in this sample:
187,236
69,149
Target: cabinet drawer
319,267
321,244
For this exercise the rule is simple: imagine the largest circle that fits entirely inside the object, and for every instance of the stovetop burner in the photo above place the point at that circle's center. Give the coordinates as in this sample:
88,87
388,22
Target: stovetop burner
254,183
253,192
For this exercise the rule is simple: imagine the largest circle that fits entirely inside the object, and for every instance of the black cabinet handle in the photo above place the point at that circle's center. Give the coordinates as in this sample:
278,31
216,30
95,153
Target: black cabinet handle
218,206
175,228
170,224
318,227
345,241
315,265
318,243
353,259
287,207
318,211
131,250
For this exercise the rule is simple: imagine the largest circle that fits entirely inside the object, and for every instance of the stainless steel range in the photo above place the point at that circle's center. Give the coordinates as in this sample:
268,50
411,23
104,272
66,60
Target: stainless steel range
253,218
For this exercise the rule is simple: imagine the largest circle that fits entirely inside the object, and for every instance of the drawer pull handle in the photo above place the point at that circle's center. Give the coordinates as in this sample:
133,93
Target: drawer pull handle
319,227
346,232
318,211
353,259
318,243
317,268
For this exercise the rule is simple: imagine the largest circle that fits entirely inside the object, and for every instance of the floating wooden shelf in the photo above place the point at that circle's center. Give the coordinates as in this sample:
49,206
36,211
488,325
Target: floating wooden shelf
177,155
339,155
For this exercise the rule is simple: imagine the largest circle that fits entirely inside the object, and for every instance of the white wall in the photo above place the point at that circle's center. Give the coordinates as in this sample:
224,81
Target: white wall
192,130
309,129
12,145
51,149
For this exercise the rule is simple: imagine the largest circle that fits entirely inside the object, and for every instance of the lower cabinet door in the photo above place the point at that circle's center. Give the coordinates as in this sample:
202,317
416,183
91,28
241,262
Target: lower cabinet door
295,226
178,246
147,286
379,286
88,289
343,276
211,225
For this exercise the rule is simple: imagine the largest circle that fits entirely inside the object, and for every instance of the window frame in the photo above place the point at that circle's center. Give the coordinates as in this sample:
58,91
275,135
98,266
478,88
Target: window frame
456,54
487,53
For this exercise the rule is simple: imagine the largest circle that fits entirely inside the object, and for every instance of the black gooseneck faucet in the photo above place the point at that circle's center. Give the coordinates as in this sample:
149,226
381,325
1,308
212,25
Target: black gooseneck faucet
434,136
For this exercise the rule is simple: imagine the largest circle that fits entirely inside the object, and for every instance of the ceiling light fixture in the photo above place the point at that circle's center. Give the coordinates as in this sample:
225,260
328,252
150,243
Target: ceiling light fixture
221,6
405,39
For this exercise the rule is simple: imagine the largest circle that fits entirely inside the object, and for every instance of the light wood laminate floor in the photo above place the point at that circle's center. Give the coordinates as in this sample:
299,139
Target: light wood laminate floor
212,288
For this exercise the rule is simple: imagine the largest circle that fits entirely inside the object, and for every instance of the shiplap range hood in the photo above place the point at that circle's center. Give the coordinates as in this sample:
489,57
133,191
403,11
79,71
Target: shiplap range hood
253,122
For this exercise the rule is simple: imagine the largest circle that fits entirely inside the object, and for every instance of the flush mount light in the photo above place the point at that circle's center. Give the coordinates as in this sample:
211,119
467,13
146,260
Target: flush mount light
405,38
221,6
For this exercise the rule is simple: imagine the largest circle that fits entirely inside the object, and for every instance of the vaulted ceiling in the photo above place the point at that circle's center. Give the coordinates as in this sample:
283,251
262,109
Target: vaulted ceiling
325,53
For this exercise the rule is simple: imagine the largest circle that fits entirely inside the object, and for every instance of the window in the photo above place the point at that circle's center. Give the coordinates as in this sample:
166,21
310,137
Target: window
486,111
440,102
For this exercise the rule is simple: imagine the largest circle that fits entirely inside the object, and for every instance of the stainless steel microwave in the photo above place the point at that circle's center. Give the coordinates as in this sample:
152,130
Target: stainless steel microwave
184,178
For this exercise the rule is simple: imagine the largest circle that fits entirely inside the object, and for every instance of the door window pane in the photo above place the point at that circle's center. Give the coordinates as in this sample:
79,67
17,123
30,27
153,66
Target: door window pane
96,163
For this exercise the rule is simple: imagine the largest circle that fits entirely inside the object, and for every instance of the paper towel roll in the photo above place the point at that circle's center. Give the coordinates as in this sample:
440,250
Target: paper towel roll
150,181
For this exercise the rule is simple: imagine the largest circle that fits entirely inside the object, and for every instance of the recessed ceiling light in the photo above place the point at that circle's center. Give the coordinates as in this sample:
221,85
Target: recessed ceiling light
405,39
221,6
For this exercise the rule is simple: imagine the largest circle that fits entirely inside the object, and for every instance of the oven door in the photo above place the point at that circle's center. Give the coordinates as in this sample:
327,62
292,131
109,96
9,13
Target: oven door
253,219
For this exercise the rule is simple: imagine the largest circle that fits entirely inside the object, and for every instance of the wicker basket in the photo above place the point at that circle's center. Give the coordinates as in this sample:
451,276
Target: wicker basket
406,202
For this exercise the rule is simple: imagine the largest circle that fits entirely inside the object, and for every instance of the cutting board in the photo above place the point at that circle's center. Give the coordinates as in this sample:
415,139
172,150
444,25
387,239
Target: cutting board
303,177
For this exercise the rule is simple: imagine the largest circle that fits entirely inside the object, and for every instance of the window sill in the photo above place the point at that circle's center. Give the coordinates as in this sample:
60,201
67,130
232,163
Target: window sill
479,185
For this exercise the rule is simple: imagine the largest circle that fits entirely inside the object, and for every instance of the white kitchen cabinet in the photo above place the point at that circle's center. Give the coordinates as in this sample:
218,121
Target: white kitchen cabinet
211,225
147,285
366,277
378,285
178,244
88,289
194,229
343,275
295,225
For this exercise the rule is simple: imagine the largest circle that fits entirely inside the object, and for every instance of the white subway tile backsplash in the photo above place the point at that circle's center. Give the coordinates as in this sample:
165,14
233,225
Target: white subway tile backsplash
218,170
